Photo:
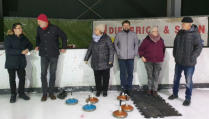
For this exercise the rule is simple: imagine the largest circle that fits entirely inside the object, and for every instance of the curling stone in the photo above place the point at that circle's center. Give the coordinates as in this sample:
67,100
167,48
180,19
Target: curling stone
120,113
123,97
92,99
127,108
89,107
62,95
71,100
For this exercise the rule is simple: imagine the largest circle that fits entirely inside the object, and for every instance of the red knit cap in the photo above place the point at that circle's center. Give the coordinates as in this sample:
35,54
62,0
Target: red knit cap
43,17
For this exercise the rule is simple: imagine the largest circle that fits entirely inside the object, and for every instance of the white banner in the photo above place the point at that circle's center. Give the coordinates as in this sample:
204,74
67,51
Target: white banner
168,27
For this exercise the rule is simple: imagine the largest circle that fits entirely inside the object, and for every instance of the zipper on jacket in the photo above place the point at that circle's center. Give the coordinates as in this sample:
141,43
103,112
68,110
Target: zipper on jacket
127,45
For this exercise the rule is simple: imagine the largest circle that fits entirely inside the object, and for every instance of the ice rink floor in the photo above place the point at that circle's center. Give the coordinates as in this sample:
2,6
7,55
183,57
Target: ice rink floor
57,109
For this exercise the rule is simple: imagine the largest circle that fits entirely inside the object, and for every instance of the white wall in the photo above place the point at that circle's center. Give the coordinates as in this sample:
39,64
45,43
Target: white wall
72,71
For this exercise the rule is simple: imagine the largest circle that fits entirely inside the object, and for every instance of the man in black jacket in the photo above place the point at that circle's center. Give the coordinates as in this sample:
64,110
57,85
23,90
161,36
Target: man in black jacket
47,42
187,47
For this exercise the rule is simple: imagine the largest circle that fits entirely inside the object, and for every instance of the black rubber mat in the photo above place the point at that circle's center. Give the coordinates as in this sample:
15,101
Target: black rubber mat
151,106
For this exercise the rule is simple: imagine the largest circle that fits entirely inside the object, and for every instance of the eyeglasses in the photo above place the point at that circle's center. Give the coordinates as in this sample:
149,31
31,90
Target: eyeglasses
18,28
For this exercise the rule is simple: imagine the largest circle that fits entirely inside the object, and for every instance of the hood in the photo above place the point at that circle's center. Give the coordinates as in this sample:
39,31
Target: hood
194,28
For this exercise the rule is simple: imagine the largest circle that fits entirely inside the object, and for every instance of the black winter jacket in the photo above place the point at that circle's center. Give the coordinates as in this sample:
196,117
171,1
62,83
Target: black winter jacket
102,53
48,41
14,46
187,46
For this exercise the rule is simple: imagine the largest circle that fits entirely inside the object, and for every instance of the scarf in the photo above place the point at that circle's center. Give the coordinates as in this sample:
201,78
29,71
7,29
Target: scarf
96,38
154,38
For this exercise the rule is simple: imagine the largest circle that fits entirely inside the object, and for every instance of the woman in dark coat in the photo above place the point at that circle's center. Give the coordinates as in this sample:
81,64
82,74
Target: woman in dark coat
17,46
102,52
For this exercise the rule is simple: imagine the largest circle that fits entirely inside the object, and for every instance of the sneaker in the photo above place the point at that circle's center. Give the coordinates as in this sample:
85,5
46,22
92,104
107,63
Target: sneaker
186,102
172,97
13,98
128,92
24,96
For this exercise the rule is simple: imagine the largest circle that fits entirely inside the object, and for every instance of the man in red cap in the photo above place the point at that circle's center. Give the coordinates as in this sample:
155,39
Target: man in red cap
47,42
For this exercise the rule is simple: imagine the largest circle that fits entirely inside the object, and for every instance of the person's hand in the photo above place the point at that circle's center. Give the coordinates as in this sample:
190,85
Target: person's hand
62,50
144,59
24,52
86,62
110,62
37,48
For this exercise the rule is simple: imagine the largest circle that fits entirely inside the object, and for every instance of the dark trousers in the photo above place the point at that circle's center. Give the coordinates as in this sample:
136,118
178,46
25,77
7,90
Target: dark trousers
126,73
12,82
102,79
45,63
188,73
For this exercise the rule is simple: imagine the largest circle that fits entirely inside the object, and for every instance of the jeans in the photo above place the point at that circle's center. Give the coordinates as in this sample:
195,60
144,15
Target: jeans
188,73
126,73
45,63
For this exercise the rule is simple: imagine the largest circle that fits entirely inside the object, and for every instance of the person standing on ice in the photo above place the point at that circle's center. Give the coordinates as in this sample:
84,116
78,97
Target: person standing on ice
152,52
126,46
102,51
187,47
17,46
47,42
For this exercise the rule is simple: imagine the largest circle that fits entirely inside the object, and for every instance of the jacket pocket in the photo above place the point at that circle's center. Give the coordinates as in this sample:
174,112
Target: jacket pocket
193,60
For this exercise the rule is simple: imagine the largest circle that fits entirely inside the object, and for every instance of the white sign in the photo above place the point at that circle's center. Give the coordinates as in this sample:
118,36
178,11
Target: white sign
168,27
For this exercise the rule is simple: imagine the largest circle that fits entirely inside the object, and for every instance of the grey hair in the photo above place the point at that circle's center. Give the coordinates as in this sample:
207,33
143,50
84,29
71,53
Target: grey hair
153,27
100,27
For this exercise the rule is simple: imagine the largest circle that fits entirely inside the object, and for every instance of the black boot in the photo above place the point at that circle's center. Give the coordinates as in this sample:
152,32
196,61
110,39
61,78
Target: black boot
24,96
98,93
186,102
172,97
13,98
104,93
